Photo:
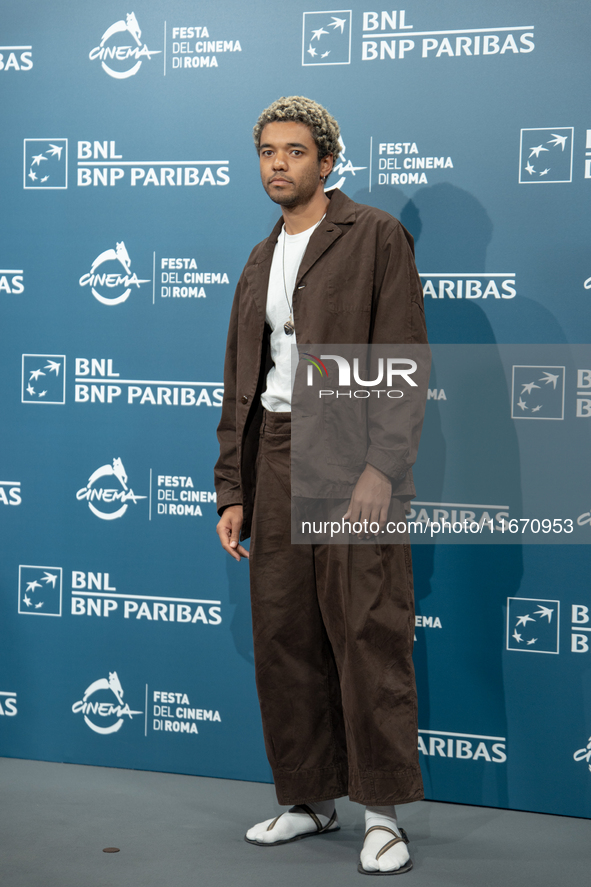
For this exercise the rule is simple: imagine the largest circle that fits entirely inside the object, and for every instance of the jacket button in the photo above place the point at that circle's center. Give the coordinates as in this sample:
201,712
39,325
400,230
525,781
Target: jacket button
244,398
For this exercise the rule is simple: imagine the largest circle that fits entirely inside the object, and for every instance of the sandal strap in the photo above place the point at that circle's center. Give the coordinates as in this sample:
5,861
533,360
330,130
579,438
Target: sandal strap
331,821
389,846
319,827
382,828
385,828
396,839
312,815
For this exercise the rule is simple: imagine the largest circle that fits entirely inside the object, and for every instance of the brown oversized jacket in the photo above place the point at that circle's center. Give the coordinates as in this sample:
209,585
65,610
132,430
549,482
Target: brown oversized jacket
357,284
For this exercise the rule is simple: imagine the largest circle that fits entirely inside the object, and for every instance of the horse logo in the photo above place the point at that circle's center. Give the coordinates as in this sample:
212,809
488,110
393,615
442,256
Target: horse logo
584,754
102,494
100,280
104,709
108,50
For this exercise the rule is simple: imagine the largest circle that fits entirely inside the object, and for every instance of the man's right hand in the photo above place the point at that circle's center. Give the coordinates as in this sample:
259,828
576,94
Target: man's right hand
228,529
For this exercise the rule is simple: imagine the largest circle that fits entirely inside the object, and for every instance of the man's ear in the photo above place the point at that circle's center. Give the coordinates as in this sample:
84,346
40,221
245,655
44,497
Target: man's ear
326,165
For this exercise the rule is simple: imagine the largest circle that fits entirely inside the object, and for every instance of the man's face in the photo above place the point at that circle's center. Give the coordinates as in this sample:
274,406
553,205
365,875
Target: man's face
290,170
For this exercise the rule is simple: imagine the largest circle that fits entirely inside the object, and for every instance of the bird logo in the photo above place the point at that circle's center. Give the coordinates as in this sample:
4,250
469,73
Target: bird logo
546,155
538,392
40,590
326,38
43,378
46,163
532,625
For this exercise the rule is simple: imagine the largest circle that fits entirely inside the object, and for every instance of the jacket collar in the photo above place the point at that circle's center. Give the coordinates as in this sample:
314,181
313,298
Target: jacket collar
340,211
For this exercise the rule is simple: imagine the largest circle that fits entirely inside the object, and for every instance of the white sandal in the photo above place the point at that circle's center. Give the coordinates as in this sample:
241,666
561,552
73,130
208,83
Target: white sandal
331,826
388,846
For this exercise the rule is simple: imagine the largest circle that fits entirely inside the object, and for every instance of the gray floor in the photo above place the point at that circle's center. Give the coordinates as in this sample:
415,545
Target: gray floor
177,831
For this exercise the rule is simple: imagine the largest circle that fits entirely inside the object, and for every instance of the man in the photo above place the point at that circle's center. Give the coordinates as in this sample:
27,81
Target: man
333,624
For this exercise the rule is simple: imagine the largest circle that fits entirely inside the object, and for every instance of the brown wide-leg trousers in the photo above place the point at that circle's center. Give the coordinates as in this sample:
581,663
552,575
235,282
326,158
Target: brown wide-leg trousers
333,633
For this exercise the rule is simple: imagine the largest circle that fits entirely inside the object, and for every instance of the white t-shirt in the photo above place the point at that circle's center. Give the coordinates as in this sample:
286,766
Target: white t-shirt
277,395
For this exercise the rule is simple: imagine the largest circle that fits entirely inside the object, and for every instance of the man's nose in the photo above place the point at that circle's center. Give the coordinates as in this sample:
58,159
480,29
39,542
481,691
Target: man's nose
279,161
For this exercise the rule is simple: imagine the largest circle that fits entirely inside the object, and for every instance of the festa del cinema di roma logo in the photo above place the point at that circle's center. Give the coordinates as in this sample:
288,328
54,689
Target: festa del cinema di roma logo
118,58
108,496
110,706
584,754
111,276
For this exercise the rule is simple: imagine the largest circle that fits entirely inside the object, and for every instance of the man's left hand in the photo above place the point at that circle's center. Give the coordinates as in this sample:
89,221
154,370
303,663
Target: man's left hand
370,500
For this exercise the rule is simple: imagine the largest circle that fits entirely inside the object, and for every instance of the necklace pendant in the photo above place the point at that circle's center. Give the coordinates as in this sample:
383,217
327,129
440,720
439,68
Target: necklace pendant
288,327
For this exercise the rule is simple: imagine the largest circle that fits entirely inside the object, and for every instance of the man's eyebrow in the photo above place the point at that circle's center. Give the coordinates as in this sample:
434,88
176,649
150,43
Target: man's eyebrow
289,145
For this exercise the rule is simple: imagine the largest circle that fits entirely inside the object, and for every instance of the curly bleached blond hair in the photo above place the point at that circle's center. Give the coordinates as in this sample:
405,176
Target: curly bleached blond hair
324,128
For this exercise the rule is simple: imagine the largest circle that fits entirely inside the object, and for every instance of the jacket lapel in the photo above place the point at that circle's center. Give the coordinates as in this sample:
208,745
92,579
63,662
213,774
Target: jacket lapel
259,274
341,210
324,236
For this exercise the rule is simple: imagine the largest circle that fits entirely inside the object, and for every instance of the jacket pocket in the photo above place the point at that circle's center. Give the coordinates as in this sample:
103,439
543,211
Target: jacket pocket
344,435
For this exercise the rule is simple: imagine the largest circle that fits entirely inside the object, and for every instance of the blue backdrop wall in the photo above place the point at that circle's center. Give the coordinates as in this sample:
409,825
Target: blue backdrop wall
130,202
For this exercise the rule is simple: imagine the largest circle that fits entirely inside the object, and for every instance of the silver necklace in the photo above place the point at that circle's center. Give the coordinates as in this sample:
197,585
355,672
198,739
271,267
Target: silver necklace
288,326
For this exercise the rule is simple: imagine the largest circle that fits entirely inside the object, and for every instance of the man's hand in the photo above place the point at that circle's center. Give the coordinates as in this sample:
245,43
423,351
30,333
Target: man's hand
370,500
228,529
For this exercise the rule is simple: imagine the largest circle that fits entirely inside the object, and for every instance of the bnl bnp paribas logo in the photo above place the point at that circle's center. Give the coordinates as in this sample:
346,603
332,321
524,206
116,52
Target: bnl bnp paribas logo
103,707
389,35
121,50
16,58
45,164
326,38
10,492
99,165
546,155
43,378
12,281
96,382
538,392
39,590
533,625
111,501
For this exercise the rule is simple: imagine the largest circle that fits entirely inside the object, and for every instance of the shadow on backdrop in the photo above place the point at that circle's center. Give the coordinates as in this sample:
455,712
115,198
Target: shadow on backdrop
468,586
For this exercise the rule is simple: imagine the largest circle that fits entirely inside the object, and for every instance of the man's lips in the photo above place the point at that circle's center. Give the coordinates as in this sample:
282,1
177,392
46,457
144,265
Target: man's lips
278,180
